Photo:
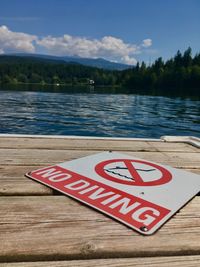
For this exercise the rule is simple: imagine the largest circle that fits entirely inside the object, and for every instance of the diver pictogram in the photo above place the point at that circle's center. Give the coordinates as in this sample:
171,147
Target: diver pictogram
114,171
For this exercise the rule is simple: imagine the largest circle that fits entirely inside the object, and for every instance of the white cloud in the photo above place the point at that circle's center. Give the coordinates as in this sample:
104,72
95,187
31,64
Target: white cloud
147,42
16,41
108,47
129,60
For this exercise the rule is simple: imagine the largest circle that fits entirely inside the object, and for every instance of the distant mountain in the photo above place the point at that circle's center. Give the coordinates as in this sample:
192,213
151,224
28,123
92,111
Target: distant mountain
99,62
11,58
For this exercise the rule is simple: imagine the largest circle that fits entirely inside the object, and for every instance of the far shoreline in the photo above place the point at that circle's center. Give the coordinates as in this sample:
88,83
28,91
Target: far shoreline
100,89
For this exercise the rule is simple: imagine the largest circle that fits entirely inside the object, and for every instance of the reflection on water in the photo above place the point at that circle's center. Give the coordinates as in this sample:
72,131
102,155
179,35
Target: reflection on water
92,114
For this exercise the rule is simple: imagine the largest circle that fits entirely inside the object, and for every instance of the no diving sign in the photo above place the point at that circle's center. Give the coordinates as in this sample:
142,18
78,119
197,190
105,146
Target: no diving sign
136,192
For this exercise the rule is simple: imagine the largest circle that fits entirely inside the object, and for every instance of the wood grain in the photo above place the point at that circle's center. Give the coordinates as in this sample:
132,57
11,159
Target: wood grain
46,157
57,228
37,225
183,261
89,144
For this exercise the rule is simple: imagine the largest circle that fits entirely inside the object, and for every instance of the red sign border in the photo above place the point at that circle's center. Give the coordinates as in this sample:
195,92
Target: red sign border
96,205
166,177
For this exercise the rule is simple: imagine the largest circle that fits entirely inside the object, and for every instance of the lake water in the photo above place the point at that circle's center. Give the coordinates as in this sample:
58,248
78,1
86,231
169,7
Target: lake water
90,113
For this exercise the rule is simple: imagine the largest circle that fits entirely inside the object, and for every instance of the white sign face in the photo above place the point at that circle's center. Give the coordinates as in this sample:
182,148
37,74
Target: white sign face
136,192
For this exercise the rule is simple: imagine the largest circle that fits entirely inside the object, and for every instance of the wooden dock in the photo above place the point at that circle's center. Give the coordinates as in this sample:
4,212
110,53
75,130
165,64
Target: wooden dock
40,227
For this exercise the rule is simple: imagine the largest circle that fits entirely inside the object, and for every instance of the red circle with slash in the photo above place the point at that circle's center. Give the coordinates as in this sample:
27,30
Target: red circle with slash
137,180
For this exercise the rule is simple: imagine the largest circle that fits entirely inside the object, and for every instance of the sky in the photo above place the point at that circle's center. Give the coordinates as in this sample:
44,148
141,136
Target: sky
125,31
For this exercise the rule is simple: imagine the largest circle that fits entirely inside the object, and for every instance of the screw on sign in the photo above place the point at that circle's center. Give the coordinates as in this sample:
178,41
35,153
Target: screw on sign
98,181
132,176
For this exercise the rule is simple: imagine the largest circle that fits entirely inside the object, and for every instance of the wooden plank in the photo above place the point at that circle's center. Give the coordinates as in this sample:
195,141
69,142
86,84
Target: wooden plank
183,261
58,228
13,181
24,187
45,156
89,144
64,229
15,172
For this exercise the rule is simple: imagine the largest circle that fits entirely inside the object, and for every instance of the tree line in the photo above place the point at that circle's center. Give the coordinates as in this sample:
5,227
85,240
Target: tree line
180,72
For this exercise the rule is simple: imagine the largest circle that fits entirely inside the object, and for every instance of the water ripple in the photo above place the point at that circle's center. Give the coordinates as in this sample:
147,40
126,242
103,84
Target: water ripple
97,114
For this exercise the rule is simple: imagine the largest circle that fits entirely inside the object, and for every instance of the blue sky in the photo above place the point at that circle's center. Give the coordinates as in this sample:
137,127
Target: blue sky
120,30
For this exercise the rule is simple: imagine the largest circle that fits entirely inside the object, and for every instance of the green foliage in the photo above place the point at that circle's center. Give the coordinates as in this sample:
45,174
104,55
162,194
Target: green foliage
182,72
15,69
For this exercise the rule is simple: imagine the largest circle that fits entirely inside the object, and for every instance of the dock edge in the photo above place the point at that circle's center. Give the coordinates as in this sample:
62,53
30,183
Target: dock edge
192,140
